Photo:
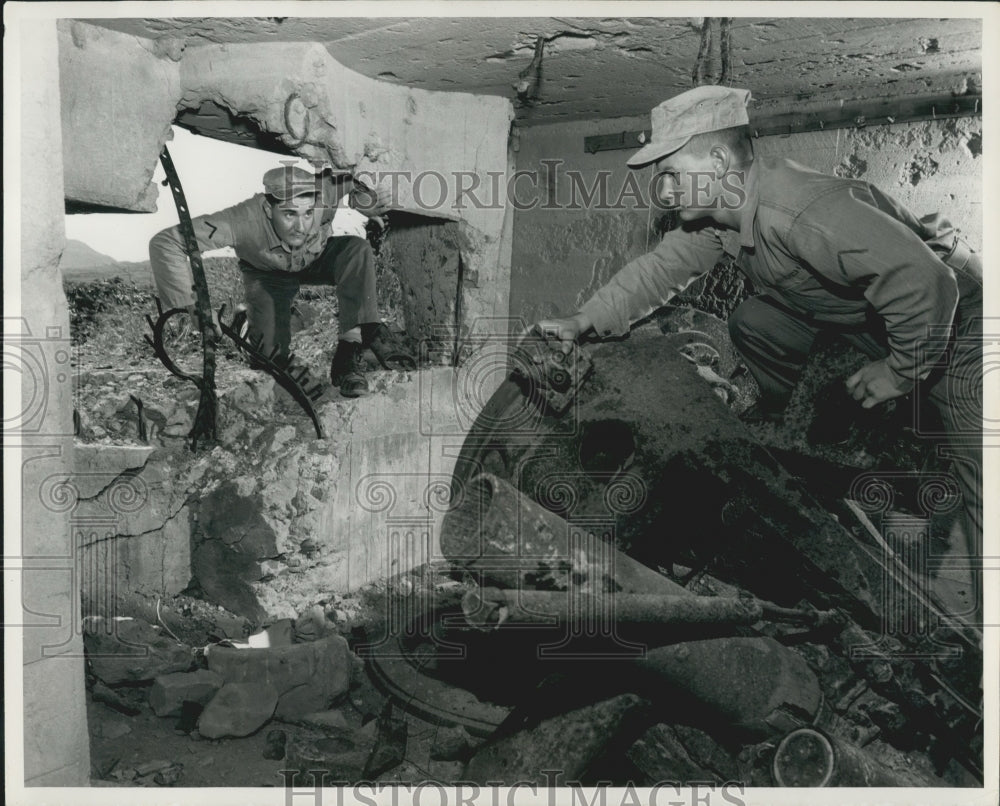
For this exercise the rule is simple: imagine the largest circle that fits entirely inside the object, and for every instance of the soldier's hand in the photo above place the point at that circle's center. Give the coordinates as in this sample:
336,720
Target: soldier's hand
371,202
566,330
875,383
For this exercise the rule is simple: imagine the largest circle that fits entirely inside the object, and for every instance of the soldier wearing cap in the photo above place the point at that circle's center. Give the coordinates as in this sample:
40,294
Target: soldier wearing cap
283,240
823,254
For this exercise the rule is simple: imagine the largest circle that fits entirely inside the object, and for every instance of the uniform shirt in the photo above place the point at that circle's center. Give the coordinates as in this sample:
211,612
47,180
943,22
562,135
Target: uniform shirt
829,248
247,228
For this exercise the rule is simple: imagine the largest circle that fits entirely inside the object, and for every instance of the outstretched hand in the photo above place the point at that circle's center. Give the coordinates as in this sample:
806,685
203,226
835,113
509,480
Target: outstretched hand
567,330
875,383
373,203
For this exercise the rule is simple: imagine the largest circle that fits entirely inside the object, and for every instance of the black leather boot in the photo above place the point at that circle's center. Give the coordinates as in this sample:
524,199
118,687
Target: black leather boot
346,371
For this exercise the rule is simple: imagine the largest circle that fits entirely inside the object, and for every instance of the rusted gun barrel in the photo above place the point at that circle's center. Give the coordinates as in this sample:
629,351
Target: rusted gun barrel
514,542
807,757
492,608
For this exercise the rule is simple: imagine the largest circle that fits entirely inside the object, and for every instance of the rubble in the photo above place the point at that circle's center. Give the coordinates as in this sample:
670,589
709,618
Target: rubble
338,758
170,692
390,744
238,709
569,743
131,651
306,677
451,744
276,741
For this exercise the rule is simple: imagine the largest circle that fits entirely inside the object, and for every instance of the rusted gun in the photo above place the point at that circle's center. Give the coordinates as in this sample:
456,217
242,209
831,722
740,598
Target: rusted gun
204,420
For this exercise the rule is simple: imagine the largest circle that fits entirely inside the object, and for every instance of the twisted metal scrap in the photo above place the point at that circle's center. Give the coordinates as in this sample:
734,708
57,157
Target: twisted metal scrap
207,402
204,420
293,379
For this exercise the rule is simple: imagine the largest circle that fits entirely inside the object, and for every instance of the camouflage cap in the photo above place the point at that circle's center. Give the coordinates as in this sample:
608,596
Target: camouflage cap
703,109
290,181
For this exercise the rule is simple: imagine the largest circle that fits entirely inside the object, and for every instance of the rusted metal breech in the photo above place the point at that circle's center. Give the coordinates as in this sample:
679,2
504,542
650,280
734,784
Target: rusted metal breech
808,757
492,608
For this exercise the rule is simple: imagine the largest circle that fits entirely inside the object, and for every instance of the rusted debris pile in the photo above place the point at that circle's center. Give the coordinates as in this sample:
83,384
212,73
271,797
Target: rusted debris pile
652,597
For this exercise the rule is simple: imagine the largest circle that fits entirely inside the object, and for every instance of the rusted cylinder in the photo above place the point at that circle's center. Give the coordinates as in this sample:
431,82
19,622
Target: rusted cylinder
756,685
807,757
517,543
492,608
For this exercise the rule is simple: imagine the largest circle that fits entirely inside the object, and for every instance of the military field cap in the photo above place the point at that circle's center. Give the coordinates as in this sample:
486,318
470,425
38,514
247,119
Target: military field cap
289,181
703,109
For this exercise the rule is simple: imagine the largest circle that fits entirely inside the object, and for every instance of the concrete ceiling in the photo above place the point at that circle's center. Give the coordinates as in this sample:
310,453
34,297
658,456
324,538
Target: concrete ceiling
618,67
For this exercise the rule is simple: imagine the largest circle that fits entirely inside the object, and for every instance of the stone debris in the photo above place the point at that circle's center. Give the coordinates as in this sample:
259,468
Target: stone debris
313,625
238,709
333,718
171,691
390,744
276,741
569,743
335,758
101,693
445,772
451,744
132,651
307,677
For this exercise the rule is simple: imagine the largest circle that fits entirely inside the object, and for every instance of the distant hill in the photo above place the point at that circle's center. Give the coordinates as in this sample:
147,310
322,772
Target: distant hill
77,255
83,264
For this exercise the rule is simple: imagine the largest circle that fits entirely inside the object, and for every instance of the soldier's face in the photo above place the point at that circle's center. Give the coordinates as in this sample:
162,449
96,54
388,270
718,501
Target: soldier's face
687,182
294,220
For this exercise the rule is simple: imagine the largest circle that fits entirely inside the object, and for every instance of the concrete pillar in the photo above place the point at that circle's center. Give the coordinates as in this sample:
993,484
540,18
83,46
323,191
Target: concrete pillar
37,347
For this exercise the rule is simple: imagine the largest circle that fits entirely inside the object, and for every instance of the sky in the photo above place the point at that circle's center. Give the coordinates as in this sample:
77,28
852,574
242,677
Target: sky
213,174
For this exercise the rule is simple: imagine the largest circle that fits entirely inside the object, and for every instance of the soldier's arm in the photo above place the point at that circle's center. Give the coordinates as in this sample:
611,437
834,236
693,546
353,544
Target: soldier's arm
853,243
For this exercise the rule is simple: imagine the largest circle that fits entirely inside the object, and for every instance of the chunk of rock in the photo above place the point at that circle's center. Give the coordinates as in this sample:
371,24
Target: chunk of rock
569,742
450,744
238,709
132,651
333,718
308,677
276,741
331,758
171,691
390,745
313,625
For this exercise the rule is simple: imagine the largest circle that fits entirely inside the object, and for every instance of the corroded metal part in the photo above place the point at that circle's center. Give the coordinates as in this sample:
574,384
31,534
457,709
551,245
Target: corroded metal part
493,608
752,684
564,746
808,757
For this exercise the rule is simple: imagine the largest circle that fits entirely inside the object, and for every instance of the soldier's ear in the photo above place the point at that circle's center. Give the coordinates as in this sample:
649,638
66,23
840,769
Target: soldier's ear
721,157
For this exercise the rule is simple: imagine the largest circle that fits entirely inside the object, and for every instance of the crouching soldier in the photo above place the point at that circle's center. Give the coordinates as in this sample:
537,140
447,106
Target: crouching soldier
825,254
282,238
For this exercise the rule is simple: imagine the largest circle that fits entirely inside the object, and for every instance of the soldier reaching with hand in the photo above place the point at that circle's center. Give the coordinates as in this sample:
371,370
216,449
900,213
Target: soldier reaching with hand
825,254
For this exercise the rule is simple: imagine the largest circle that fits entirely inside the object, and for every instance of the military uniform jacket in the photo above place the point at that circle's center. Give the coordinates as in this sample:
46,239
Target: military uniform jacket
833,250
247,228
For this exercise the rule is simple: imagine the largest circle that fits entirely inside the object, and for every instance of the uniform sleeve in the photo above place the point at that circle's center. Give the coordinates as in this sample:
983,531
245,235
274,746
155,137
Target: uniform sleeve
169,261
651,280
845,238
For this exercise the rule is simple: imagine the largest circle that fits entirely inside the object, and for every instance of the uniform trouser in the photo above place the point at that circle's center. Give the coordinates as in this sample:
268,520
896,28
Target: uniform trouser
345,262
775,344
